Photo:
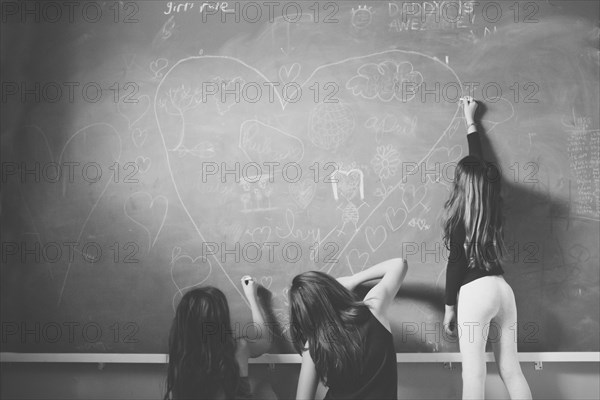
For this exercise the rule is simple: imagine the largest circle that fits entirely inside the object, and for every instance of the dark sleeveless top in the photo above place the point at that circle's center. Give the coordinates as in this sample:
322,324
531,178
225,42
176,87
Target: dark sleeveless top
458,272
379,379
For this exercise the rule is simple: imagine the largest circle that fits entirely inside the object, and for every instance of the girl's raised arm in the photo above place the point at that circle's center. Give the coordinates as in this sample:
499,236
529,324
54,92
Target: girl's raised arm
261,344
380,297
470,109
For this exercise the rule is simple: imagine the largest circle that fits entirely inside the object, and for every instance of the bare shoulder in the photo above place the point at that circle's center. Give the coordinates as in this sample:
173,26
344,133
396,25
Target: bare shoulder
379,316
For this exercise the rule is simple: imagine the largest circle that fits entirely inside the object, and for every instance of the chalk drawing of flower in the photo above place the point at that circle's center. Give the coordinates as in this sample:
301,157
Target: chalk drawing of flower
386,81
406,81
386,161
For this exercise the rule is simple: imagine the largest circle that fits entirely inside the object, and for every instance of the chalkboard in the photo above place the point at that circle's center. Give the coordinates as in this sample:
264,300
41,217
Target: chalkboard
152,147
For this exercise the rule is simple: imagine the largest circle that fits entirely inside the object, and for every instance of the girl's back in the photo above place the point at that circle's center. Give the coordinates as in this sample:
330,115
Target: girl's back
346,343
378,379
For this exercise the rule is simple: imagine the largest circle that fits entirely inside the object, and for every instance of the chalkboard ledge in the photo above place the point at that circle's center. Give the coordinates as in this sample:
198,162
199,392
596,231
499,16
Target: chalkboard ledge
134,358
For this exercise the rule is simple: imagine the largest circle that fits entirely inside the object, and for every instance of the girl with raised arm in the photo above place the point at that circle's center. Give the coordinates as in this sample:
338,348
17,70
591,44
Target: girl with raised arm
473,233
346,343
205,360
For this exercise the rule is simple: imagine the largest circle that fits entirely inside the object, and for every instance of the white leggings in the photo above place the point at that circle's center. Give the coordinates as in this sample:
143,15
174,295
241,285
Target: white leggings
487,308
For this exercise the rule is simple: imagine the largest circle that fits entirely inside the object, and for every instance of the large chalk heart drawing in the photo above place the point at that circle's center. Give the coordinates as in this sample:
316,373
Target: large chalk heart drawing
191,121
73,199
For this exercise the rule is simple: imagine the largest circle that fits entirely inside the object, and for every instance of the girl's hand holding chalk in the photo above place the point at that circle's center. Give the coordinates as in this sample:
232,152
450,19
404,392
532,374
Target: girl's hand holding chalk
469,108
250,286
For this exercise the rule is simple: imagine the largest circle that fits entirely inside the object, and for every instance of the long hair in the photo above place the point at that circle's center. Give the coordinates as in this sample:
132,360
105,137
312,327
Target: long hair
327,316
202,360
476,204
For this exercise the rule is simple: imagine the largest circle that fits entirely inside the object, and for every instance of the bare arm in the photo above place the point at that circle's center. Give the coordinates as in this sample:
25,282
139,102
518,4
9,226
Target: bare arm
380,297
469,108
307,381
261,344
